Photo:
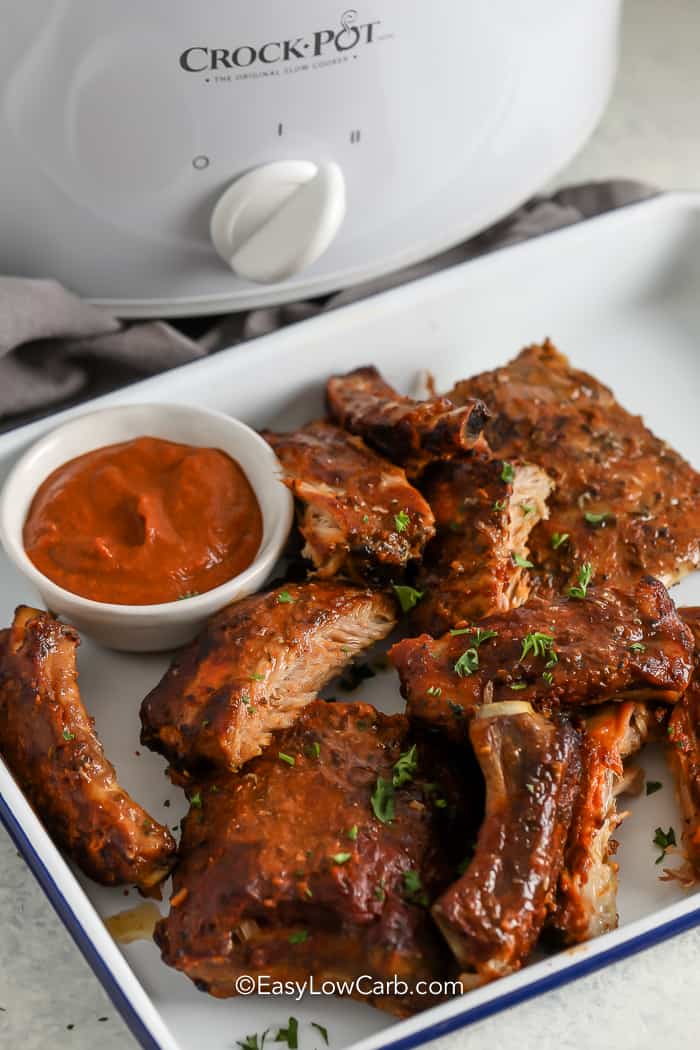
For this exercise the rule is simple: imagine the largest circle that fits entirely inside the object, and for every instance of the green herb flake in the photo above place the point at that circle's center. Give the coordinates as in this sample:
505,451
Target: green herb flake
413,888
479,635
517,686
290,1034
433,690
251,1042
507,473
365,519
379,893
323,1032
408,596
285,598
67,735
255,677
664,840
585,576
286,758
352,833
341,858
638,647
653,786
548,677
382,801
298,937
499,505
558,538
539,644
468,663
196,800
527,508
405,768
402,521
440,803
520,561
597,519
315,750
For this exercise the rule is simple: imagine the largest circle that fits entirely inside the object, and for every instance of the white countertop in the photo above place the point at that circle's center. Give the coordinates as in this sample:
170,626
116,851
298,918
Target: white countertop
48,995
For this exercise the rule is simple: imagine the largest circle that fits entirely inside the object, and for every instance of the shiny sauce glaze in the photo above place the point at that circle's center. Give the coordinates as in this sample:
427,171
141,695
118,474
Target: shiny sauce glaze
143,522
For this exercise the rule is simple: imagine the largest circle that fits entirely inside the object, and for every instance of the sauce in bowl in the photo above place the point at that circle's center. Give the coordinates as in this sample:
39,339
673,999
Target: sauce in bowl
143,522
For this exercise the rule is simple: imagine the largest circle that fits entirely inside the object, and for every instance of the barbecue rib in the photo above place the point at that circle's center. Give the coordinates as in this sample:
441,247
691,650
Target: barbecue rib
253,668
411,433
571,651
624,500
484,511
310,861
357,512
683,751
48,741
492,916
587,892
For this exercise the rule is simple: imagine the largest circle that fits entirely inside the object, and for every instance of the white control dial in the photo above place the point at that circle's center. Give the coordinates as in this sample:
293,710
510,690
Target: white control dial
277,219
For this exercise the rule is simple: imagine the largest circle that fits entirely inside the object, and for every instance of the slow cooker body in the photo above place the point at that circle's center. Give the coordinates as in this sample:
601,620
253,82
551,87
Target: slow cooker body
123,124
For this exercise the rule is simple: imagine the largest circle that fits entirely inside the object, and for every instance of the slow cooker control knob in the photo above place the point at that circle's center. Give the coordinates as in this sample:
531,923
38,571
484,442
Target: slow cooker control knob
277,219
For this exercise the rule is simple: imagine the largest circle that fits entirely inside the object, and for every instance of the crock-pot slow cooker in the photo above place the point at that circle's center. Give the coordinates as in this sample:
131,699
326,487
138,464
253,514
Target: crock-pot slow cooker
189,156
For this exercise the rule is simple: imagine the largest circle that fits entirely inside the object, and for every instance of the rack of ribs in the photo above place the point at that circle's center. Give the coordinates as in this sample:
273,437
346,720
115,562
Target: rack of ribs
492,916
357,512
683,749
484,512
255,665
572,651
586,904
623,501
49,743
321,859
411,433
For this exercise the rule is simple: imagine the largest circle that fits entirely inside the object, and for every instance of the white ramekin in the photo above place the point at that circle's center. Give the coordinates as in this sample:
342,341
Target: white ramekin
140,628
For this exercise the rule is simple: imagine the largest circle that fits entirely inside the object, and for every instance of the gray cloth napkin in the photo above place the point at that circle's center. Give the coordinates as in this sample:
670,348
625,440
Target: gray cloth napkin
57,350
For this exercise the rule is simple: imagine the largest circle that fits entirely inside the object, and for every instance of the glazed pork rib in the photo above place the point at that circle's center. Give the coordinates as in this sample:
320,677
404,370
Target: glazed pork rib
567,652
255,666
492,916
311,862
48,740
408,432
683,750
484,512
624,501
586,904
357,512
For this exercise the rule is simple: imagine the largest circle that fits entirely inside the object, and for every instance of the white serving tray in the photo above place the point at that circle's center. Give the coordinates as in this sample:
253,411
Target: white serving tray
621,296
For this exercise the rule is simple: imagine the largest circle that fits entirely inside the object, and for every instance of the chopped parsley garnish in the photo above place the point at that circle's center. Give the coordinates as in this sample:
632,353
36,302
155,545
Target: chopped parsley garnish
467,664
596,519
413,889
341,858
402,521
196,800
284,598
382,801
354,675
286,758
67,735
521,562
499,505
379,893
539,644
405,768
365,518
249,1043
527,508
517,686
664,840
408,596
290,1034
255,677
557,539
298,937
352,833
585,576
433,690
440,803
456,709
314,750
638,647
507,473
480,636
653,786
548,677
321,1030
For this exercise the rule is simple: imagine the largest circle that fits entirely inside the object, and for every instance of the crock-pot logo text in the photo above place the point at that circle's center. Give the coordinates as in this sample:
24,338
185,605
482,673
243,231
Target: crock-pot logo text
351,34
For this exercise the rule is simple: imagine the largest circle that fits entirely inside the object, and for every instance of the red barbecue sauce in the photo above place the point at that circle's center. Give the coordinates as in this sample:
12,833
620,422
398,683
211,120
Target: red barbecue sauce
144,521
